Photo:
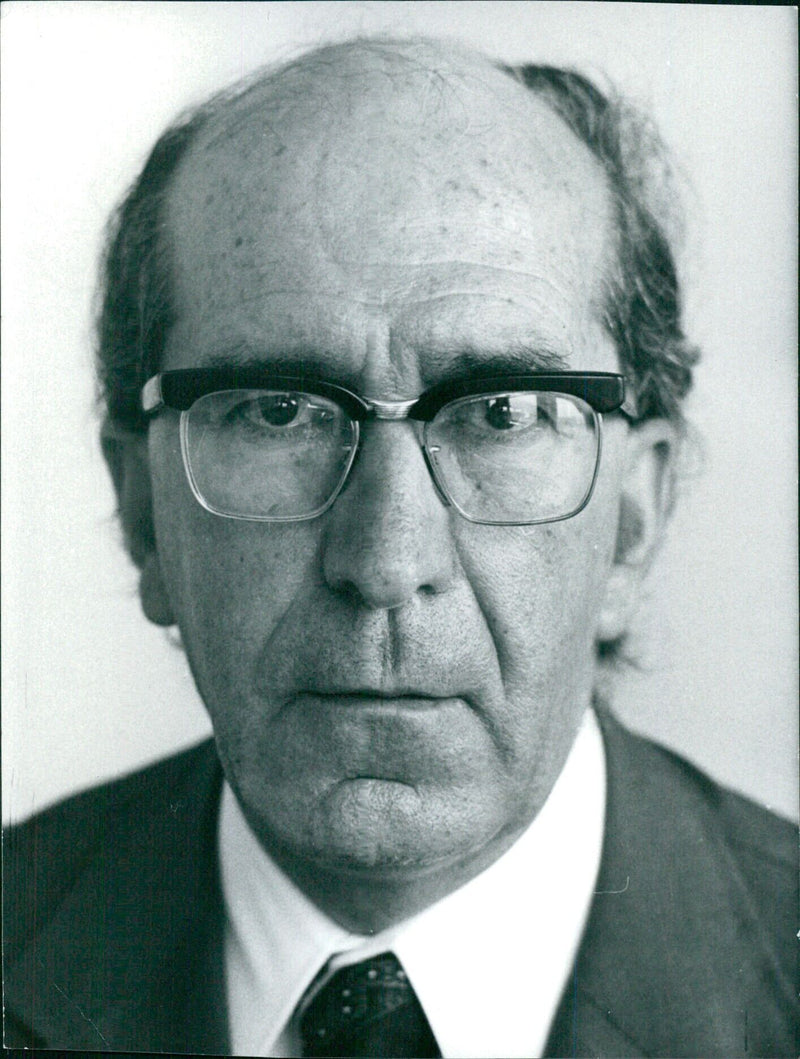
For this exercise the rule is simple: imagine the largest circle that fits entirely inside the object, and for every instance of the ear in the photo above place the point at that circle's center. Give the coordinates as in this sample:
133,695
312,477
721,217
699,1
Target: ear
127,459
646,502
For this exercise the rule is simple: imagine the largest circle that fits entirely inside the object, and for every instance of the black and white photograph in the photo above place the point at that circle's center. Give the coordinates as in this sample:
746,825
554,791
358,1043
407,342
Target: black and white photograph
483,742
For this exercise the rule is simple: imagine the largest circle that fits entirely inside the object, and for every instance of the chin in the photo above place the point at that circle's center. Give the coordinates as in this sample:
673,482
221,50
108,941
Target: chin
379,827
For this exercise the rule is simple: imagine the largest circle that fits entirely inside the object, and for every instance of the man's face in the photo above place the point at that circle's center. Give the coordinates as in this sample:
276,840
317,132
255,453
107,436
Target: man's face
392,688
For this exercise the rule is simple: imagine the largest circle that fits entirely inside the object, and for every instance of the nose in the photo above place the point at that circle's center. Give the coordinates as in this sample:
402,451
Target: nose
388,533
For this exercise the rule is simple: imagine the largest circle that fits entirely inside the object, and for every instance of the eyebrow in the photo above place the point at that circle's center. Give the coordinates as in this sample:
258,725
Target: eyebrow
446,368
303,363
517,360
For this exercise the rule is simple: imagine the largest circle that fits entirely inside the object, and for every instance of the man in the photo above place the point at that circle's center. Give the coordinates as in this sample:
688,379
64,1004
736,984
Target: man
392,359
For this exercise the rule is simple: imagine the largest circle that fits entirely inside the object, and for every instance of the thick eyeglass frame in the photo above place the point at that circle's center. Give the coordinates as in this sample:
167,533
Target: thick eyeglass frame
603,392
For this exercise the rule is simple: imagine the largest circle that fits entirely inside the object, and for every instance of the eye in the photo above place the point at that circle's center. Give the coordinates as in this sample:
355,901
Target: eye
274,410
505,418
514,412
277,412
500,414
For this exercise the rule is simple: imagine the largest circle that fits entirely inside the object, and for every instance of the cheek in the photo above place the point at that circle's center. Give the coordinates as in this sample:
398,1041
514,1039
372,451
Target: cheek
540,589
229,581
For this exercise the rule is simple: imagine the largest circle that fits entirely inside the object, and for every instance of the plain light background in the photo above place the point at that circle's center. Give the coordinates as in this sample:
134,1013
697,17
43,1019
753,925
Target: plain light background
90,689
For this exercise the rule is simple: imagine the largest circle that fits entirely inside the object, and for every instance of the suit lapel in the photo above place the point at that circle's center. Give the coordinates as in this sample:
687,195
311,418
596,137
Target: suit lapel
128,959
673,959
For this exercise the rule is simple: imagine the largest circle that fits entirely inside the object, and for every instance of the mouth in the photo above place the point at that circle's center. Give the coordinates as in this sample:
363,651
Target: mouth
404,698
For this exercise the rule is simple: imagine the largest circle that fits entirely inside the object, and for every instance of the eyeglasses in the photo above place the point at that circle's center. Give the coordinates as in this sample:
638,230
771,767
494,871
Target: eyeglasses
507,450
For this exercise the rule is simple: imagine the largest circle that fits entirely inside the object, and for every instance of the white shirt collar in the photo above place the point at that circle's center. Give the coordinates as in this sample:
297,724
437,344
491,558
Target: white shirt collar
489,962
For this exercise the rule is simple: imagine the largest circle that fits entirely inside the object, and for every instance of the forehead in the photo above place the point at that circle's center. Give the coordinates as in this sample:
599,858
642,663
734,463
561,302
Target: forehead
380,201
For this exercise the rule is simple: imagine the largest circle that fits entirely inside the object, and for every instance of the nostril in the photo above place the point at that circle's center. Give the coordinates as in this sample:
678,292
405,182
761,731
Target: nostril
384,589
347,589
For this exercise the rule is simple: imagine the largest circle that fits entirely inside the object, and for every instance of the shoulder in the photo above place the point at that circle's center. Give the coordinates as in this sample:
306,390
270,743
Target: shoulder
108,897
666,795
763,847
690,945
669,786
44,855
698,854
66,828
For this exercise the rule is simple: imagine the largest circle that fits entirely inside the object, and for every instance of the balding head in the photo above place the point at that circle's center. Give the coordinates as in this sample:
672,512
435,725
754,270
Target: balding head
319,180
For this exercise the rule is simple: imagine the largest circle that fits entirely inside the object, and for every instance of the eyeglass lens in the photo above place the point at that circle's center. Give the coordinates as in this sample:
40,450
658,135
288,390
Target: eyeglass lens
266,453
504,457
516,457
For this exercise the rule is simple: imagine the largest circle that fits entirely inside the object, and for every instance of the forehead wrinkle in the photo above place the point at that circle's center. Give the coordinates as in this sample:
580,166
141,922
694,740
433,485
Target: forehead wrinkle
422,289
546,312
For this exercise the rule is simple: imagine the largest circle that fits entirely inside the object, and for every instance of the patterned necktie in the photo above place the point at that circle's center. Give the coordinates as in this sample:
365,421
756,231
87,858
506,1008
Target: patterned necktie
367,1009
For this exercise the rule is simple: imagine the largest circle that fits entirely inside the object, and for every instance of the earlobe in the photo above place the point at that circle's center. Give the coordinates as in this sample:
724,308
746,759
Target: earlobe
126,456
646,502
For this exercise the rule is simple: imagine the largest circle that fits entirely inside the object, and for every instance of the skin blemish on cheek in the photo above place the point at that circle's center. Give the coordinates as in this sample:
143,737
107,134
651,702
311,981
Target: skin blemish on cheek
239,240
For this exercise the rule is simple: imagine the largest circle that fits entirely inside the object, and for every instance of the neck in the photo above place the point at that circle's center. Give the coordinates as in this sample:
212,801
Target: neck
369,901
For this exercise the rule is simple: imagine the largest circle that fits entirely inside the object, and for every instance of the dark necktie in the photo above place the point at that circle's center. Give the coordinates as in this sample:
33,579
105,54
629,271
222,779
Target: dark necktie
367,1009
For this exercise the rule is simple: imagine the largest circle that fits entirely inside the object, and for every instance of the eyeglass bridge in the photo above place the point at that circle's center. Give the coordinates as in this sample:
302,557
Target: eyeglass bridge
388,409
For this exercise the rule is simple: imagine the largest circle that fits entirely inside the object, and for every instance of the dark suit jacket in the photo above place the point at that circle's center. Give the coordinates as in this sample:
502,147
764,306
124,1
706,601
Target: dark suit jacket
113,918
